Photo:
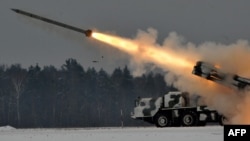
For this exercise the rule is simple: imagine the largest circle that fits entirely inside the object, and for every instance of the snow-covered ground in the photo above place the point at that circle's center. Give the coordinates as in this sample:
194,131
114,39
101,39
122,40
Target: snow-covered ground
206,133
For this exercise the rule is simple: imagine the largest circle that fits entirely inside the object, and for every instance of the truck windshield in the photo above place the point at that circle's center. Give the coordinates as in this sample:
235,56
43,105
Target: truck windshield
137,101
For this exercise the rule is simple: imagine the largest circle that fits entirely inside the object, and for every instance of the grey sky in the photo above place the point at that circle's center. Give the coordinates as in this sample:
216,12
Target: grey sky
24,42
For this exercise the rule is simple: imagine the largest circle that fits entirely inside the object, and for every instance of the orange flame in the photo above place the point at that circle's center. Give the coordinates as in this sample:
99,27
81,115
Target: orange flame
147,53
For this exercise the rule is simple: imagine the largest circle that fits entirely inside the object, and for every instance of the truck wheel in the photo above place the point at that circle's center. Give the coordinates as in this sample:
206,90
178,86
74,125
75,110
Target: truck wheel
162,120
222,120
189,119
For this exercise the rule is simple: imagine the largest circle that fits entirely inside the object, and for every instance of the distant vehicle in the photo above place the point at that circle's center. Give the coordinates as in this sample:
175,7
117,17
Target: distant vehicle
175,109
213,73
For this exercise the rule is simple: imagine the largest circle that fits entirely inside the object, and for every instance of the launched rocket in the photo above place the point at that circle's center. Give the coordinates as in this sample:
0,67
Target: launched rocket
88,32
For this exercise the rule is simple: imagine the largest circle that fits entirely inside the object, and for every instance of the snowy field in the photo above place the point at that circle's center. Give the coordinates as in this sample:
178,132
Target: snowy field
206,133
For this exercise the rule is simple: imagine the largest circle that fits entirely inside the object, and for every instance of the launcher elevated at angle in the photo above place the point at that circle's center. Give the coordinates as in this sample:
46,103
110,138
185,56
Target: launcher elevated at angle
213,73
88,32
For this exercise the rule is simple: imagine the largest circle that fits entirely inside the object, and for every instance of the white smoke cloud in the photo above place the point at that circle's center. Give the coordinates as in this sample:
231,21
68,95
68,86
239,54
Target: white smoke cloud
232,58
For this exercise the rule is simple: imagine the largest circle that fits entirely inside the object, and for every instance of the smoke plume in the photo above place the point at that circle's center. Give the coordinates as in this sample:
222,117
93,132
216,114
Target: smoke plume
232,58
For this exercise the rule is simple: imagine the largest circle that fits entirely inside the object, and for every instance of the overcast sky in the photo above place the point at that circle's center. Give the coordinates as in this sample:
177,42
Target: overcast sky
28,43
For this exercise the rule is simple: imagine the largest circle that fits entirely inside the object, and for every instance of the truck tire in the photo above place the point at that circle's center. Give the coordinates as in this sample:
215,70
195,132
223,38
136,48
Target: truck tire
222,120
189,119
162,120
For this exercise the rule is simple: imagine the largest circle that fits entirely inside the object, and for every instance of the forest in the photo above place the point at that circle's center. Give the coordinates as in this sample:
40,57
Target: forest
73,96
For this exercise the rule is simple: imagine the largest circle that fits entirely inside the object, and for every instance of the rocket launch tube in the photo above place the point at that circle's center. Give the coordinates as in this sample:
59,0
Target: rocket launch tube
86,32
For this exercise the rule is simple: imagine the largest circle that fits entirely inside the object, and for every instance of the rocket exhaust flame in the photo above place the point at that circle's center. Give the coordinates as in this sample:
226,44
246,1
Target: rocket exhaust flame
122,44
148,53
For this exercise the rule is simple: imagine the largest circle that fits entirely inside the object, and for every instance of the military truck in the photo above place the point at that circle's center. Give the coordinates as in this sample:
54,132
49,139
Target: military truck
175,109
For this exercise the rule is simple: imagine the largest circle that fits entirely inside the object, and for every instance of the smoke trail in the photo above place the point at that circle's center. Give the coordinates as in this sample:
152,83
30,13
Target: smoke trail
231,58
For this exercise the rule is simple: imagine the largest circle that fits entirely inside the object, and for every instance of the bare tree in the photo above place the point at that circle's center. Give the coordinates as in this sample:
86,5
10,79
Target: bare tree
17,77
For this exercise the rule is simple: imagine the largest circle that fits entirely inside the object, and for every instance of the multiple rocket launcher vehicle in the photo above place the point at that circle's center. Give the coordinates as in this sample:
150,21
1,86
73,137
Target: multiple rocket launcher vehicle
182,109
201,69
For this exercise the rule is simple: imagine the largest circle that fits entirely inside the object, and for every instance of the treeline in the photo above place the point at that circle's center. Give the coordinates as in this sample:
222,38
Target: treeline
72,96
